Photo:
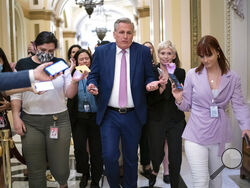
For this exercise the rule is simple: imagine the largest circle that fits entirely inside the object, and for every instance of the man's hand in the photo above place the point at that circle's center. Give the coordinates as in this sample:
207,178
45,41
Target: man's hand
92,89
41,75
152,86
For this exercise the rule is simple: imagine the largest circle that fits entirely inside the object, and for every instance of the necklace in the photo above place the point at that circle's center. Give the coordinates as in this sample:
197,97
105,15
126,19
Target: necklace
214,78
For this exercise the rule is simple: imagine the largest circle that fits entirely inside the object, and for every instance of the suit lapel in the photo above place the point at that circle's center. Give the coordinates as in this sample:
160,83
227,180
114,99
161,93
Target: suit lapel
111,59
225,79
132,52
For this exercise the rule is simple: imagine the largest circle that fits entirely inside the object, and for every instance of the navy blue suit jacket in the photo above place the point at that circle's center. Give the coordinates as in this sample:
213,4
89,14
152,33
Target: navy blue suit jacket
102,76
13,80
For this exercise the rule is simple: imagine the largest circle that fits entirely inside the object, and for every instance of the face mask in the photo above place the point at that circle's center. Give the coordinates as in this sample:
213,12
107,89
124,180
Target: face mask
1,68
44,57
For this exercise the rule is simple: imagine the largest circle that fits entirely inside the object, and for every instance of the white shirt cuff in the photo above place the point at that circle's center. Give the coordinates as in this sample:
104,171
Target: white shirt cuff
31,76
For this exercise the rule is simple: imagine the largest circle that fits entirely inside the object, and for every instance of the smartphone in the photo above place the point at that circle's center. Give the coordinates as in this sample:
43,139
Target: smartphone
247,139
160,71
44,86
56,67
176,81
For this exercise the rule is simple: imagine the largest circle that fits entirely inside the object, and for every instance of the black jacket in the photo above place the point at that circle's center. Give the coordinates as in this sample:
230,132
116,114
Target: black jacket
162,107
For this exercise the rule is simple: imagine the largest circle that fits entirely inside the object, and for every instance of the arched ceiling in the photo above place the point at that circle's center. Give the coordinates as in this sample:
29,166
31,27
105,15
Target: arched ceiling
59,5
79,21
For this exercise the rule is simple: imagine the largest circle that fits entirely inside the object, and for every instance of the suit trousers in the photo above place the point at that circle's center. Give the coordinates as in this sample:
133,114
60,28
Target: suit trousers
116,126
172,131
85,129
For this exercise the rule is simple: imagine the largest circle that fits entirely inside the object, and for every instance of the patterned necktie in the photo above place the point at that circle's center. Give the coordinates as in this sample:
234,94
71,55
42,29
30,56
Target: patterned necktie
123,97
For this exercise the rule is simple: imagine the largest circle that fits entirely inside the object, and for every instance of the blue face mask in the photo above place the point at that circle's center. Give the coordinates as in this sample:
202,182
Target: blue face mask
1,68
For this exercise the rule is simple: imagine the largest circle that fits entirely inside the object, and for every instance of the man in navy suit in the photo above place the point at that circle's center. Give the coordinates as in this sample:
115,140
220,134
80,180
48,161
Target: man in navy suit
22,79
119,119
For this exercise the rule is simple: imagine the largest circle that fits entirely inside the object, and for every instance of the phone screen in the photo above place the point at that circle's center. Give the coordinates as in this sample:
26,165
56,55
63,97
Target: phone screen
56,67
176,81
44,86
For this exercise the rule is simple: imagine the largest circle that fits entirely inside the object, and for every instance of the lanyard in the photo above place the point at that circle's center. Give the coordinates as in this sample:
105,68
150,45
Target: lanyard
85,96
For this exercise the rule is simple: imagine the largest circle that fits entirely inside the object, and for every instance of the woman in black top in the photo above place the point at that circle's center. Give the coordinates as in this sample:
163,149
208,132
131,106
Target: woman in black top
165,121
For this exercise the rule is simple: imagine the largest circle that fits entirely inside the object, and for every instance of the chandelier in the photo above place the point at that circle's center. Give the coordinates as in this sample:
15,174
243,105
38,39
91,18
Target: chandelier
237,6
101,32
89,5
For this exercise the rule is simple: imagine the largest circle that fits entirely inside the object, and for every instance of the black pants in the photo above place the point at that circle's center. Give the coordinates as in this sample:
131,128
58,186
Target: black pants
86,129
171,130
144,147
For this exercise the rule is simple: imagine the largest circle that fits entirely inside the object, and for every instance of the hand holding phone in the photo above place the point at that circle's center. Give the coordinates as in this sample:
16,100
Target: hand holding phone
56,67
176,81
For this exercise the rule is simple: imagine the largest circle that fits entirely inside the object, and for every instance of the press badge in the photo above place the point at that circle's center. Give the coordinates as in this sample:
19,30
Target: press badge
86,106
214,111
53,132
2,124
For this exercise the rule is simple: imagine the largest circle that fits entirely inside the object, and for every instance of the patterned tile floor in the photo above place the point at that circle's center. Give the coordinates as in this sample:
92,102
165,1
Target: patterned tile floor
231,178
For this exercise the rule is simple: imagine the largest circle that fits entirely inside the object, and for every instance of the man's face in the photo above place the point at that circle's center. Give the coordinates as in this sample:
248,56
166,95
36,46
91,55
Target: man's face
123,35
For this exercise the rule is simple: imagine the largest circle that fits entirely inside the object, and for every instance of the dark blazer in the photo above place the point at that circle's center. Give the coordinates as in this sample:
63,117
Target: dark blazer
162,107
102,76
14,80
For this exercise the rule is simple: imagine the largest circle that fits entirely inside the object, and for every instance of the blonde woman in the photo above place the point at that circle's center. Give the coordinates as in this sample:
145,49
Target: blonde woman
165,121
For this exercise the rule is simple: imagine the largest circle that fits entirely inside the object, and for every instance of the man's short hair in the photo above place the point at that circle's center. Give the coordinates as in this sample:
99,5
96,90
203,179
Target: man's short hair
123,20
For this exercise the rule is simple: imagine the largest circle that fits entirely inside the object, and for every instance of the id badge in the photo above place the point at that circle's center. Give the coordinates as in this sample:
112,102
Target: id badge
86,106
214,111
2,124
53,133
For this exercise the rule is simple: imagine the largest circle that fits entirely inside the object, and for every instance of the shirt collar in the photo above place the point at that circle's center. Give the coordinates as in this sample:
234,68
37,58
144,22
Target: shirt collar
119,50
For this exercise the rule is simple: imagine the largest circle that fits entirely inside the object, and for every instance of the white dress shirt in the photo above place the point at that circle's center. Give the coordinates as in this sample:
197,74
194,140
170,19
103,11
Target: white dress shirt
114,98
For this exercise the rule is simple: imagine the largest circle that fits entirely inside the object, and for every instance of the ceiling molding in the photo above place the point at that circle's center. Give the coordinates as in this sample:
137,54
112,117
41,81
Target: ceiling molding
40,15
59,22
143,12
69,34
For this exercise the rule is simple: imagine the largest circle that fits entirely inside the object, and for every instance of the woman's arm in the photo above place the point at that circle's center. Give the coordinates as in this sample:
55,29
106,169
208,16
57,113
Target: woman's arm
183,97
240,108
